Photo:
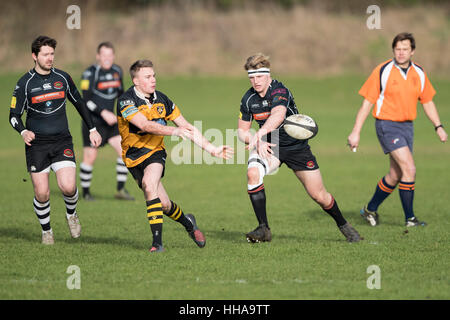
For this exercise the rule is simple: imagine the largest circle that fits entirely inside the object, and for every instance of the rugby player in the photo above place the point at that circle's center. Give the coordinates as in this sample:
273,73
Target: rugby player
143,113
42,93
101,85
395,86
269,102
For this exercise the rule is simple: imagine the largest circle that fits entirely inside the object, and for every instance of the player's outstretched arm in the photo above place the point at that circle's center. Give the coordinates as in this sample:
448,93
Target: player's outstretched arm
353,138
140,121
224,152
432,114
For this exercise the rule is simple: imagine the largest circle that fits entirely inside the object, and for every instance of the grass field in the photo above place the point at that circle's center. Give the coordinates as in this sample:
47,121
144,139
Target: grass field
308,258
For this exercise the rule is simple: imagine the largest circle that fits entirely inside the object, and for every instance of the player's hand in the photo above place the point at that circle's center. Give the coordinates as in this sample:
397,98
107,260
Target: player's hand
28,136
353,141
265,149
183,132
443,136
96,139
256,139
224,152
109,117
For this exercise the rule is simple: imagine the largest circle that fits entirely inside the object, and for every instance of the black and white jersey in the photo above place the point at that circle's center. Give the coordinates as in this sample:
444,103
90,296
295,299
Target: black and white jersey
255,107
101,88
43,97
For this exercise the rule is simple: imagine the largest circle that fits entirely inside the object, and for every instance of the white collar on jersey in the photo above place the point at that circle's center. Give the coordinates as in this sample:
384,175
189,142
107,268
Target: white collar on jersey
143,97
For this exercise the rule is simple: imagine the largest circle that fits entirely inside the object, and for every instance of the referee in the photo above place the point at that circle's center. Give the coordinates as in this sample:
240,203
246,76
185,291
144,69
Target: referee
394,87
42,93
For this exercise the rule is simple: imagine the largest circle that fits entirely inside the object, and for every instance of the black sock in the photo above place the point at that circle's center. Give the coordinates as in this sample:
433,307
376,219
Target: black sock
155,218
335,213
177,215
258,199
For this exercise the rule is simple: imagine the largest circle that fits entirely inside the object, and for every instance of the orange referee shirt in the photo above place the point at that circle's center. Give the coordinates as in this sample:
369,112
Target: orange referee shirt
394,93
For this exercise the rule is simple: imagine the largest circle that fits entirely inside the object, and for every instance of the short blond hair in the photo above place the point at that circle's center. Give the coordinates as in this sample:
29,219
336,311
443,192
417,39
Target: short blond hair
257,61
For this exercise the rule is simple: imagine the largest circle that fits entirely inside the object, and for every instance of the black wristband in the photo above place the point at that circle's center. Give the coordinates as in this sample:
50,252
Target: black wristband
437,127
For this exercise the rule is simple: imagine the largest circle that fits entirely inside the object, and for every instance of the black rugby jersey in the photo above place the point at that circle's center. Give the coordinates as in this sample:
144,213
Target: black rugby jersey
100,88
43,97
255,107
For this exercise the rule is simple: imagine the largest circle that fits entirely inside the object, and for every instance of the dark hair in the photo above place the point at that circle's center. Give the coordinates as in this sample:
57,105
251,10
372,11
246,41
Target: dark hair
138,65
105,44
404,36
40,42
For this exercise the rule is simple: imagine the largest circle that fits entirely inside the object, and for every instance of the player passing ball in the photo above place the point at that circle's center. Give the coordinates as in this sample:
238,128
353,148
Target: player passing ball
269,103
143,113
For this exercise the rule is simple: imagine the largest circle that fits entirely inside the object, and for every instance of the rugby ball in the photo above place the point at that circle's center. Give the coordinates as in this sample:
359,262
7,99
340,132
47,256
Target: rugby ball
300,126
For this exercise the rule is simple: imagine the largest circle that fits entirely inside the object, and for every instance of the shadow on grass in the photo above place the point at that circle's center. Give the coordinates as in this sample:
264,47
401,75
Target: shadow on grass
239,237
24,234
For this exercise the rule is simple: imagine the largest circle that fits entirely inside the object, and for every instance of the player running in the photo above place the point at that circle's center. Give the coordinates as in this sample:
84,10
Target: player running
42,93
395,86
143,113
269,102
101,85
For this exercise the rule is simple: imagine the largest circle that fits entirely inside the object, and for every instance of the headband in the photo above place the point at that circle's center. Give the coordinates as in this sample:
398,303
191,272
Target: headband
258,72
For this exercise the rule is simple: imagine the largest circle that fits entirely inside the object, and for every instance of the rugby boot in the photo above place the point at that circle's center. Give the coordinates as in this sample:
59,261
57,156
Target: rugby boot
47,237
74,226
196,234
413,222
261,234
370,216
88,197
350,233
123,194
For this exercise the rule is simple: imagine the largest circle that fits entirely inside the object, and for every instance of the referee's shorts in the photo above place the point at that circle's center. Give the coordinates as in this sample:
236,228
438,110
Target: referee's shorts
393,135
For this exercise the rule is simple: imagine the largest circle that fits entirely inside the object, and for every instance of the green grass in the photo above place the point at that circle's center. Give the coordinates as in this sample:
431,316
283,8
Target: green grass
308,257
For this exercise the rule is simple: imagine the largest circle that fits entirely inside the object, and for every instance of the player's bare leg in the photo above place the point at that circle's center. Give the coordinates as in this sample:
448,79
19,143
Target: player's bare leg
86,169
66,178
174,212
150,184
41,204
257,169
404,159
313,183
121,170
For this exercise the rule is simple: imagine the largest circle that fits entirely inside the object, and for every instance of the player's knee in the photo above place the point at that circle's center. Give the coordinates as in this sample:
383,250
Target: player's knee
321,197
150,189
68,189
42,195
409,172
166,205
253,175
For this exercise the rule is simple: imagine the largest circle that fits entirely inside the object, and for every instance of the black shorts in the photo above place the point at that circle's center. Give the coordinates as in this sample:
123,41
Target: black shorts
106,132
297,160
138,171
46,150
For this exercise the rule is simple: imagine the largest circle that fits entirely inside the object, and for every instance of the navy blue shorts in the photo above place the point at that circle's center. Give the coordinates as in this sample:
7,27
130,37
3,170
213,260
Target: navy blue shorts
394,135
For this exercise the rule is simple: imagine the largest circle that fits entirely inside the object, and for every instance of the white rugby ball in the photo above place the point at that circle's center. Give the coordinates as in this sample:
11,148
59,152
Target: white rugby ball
300,126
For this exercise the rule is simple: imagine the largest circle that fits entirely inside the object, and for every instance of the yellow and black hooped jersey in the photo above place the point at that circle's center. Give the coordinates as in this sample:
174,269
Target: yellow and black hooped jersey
138,145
